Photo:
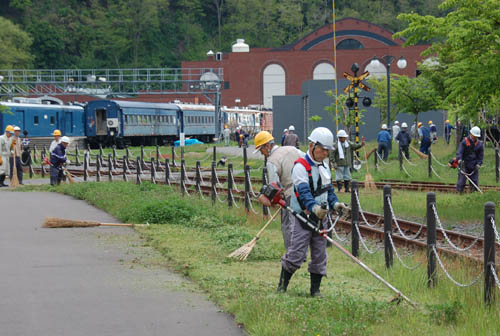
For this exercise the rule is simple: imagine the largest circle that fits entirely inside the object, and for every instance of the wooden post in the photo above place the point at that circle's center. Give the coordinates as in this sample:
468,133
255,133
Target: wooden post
400,157
114,157
153,171
429,163
125,168
489,253
214,182
198,177
375,160
245,157
431,241
388,226
265,210
497,165
86,166
173,156
77,153
183,178
247,186
98,169
230,185
138,170
110,168
30,164
354,220
142,157
167,171
215,154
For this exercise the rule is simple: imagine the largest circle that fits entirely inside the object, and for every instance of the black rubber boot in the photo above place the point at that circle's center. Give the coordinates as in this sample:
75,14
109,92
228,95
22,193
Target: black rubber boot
2,180
315,284
346,186
339,185
284,280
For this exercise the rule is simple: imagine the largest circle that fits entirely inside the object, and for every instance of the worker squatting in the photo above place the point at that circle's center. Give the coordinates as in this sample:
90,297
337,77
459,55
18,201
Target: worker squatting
308,190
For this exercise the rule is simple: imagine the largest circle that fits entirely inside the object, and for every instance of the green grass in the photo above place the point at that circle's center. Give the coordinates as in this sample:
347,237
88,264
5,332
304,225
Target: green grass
196,237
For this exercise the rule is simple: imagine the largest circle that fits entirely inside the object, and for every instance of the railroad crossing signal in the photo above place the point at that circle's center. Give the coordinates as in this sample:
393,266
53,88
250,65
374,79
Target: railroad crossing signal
356,82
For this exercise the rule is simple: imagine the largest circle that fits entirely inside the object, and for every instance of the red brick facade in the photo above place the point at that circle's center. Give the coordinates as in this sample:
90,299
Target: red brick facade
243,72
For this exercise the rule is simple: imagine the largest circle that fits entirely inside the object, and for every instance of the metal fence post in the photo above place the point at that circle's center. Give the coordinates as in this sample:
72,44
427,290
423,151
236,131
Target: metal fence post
85,166
153,171
138,170
497,165
98,169
354,219
388,226
230,185
265,210
167,171
214,182
125,168
110,168
77,153
429,163
489,253
247,186
431,241
183,177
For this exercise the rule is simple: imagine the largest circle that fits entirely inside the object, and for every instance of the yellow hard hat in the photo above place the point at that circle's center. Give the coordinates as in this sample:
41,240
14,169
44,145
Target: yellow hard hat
9,128
430,122
56,132
447,121
262,138
419,124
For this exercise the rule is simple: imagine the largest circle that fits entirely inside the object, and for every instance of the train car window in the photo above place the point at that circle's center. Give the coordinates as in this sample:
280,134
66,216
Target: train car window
126,119
52,120
35,120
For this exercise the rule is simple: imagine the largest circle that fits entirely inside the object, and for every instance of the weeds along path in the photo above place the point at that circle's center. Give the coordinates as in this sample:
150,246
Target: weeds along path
92,281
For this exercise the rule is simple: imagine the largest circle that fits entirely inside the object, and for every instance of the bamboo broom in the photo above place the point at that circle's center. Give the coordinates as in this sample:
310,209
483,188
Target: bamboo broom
243,252
69,176
54,222
369,182
419,153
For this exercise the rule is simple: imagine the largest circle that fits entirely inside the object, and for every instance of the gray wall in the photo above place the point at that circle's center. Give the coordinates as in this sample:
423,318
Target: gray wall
290,110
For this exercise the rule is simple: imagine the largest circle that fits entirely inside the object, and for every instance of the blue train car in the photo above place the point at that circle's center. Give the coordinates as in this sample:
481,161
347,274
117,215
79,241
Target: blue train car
40,120
116,122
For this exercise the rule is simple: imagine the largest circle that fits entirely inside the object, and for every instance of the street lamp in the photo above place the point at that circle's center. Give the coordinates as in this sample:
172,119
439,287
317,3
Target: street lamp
387,61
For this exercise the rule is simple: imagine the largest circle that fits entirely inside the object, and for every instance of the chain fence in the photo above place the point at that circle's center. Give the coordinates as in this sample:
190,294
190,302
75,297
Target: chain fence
473,282
361,210
411,268
389,201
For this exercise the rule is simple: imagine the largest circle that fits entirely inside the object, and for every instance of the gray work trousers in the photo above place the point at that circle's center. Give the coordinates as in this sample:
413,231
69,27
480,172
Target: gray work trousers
300,240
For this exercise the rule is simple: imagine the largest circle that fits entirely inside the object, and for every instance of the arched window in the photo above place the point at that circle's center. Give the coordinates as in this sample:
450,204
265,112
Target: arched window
324,71
274,83
349,44
377,71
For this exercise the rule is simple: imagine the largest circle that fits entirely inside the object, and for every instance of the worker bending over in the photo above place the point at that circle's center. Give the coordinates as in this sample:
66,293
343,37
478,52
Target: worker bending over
425,138
280,161
470,156
314,197
57,161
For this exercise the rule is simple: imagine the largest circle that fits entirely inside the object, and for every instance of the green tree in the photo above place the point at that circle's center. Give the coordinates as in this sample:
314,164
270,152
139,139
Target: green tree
466,43
14,46
346,116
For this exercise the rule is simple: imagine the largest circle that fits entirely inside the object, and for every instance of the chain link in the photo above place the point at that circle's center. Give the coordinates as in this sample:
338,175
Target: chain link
333,228
380,158
439,163
411,268
404,169
435,173
234,184
446,236
251,188
494,272
363,241
492,220
409,162
251,205
449,276
397,224
361,210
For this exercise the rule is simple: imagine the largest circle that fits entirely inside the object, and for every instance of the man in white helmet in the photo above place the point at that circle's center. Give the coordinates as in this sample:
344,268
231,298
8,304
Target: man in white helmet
283,136
395,130
341,159
470,157
314,197
291,139
404,140
57,161
384,140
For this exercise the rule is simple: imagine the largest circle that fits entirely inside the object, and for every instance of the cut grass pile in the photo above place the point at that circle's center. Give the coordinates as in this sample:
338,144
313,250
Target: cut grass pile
196,238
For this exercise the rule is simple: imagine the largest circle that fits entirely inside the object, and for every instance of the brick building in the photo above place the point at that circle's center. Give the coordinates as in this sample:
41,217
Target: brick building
255,75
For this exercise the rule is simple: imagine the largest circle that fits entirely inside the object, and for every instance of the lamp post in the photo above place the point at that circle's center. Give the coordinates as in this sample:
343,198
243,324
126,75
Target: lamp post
387,61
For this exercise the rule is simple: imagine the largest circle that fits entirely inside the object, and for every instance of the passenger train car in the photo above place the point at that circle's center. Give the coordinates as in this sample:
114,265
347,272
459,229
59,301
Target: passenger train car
117,122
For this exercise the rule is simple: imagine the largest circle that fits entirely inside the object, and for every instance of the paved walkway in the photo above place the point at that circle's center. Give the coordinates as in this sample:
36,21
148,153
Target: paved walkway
94,281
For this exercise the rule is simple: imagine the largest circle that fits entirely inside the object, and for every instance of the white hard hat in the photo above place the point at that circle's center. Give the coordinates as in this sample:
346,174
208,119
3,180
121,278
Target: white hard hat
403,125
475,131
341,134
291,128
323,137
65,139
384,126
396,122
17,128
285,130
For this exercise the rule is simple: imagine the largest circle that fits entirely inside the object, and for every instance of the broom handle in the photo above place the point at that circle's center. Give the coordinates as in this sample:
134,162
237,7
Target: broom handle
268,222
116,224
366,159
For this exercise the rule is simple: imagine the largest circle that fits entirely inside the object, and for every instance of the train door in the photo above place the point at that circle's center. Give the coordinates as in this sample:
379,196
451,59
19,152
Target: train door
100,120
68,123
156,122
19,119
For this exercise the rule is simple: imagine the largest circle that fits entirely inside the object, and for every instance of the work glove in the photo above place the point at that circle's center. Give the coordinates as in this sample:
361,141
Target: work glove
319,211
68,162
459,162
340,207
478,166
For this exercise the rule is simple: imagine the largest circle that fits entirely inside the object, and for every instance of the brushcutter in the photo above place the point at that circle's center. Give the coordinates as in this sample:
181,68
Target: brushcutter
271,194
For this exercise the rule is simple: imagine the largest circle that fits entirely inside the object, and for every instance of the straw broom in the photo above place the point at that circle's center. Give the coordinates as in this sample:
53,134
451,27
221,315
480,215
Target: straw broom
69,176
243,252
419,153
14,181
54,222
369,182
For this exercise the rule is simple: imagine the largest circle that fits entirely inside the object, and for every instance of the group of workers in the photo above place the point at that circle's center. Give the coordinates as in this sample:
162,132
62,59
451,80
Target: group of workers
307,183
10,154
